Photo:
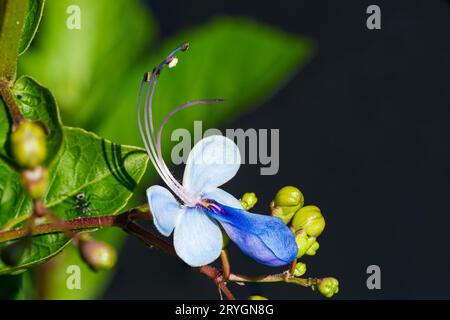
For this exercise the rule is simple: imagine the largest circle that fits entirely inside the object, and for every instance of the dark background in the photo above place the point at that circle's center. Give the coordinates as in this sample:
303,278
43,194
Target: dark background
364,134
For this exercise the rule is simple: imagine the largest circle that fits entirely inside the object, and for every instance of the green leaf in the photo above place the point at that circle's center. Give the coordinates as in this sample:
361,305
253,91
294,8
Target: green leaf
15,204
78,65
42,248
37,103
5,128
31,24
106,172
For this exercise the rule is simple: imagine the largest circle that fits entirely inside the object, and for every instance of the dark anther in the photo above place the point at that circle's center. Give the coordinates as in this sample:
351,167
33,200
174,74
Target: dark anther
147,76
184,46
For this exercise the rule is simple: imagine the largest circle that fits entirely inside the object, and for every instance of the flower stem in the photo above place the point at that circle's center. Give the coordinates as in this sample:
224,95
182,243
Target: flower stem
76,224
279,277
10,101
12,19
216,276
292,266
225,264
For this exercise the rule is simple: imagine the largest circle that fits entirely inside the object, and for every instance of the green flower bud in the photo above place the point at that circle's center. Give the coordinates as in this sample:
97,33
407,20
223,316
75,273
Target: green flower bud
328,287
98,255
248,200
35,182
312,248
289,197
302,243
310,219
300,269
28,144
13,253
287,201
306,245
257,298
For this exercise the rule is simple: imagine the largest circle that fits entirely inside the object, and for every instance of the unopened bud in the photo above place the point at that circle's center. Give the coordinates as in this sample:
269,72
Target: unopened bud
28,144
35,182
287,201
302,243
305,244
289,196
310,219
300,269
328,287
98,255
312,250
248,200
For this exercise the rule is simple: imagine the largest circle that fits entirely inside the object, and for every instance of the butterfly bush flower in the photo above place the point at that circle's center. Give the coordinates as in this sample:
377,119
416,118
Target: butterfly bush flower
197,210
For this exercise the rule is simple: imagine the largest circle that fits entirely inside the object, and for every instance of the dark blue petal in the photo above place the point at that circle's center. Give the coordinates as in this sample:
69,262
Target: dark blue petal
264,238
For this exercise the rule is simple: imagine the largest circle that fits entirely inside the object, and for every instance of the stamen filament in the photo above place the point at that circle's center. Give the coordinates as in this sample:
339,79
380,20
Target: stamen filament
148,116
152,142
144,138
175,110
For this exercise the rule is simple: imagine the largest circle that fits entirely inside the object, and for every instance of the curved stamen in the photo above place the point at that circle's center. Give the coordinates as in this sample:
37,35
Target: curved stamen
144,139
150,134
149,105
148,116
147,144
175,110
151,141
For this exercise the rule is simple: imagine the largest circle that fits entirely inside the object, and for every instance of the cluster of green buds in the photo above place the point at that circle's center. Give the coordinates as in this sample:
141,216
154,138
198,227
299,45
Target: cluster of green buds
29,149
307,223
98,255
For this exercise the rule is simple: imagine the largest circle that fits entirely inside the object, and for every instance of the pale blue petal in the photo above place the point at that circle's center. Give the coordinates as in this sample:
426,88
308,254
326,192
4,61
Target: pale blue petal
197,238
222,197
165,209
264,238
213,161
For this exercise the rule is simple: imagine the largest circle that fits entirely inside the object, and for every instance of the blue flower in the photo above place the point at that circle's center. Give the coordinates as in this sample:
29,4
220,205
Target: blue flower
203,208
